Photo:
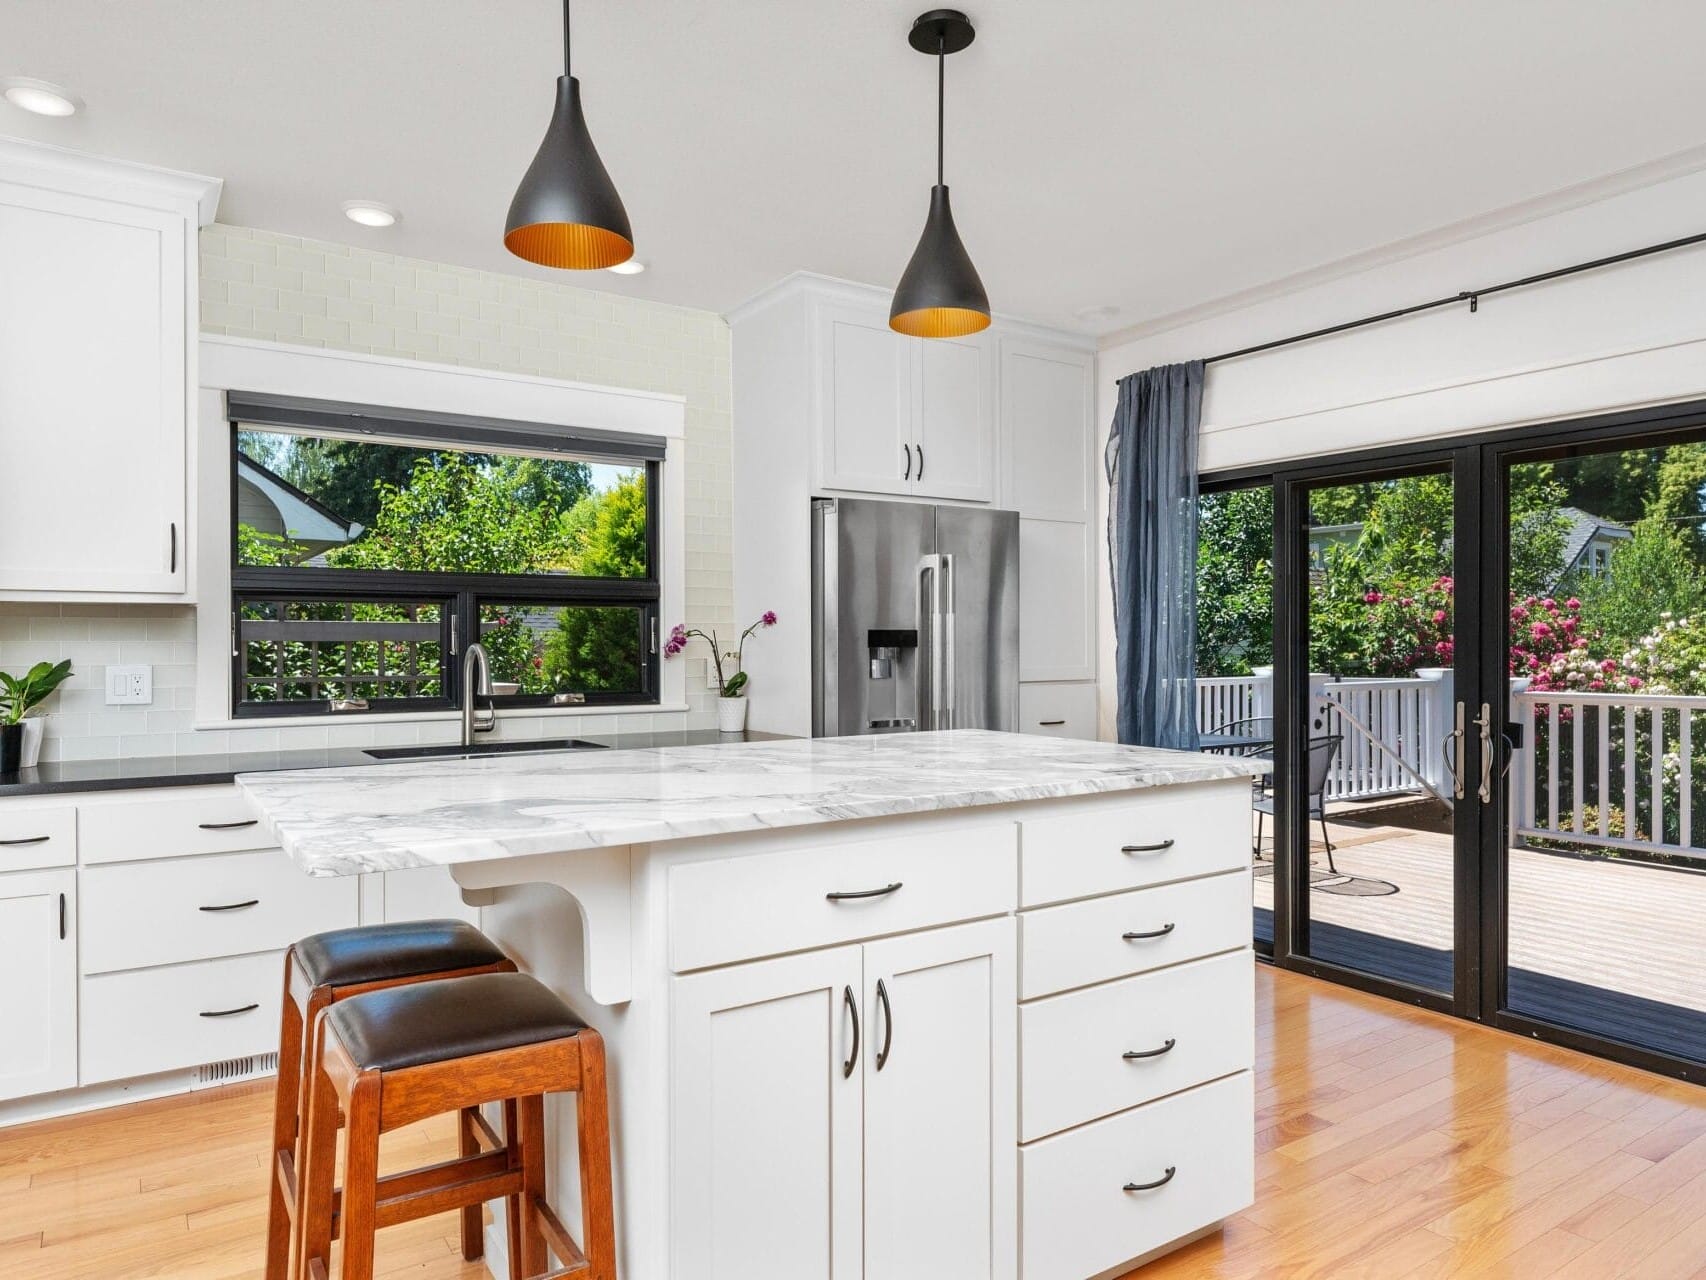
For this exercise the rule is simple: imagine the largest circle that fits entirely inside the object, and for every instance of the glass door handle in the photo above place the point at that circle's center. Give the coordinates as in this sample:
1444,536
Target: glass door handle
1451,746
1484,722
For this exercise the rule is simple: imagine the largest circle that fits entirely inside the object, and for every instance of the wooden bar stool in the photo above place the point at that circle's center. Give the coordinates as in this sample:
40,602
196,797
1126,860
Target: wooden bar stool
326,968
389,1058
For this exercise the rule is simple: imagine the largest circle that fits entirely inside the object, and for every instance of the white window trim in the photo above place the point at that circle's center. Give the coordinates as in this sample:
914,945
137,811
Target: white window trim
317,373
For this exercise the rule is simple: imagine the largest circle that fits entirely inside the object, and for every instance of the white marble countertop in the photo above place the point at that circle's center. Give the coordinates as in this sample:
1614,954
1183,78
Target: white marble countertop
440,812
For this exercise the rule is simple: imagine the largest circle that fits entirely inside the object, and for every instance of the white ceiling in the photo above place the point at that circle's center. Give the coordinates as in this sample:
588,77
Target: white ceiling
1146,155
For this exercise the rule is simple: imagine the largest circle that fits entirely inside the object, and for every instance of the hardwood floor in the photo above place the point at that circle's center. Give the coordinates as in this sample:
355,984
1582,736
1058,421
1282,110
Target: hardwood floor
1391,1143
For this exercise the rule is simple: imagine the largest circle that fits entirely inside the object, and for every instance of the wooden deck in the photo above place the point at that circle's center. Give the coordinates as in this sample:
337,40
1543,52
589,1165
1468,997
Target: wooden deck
1590,937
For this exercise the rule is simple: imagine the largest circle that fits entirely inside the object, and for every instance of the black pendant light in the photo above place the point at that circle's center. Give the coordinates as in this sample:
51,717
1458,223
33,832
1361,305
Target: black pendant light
940,295
566,212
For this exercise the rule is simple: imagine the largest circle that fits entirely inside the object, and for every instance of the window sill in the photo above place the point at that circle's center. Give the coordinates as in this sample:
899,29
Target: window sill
446,717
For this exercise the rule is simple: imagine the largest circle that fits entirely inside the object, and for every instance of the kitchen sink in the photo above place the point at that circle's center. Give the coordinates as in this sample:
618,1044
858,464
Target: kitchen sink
456,751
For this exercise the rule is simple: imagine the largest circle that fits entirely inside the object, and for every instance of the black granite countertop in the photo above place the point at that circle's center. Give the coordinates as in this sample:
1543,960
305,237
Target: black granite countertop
71,776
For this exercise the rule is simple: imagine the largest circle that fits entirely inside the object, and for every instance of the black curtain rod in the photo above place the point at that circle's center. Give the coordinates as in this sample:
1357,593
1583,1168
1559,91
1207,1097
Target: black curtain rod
1471,296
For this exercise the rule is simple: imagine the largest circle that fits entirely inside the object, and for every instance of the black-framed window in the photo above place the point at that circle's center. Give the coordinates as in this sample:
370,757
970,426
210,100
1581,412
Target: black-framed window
368,546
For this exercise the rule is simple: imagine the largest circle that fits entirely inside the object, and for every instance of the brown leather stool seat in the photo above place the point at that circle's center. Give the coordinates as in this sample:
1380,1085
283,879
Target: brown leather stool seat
429,1022
386,952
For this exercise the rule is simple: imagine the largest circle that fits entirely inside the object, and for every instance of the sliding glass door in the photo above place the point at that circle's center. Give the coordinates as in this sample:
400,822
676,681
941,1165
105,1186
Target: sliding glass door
1484,724
1374,738
1602,834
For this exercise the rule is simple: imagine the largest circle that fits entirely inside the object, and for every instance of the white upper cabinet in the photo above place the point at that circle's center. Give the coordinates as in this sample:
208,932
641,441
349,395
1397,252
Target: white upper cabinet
953,436
866,370
1046,415
97,324
902,415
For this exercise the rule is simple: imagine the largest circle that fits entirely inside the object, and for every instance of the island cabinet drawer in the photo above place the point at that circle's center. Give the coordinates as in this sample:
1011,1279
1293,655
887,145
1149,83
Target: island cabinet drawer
1179,1026
194,820
181,1015
1107,844
147,913
1089,1200
31,838
1113,937
771,903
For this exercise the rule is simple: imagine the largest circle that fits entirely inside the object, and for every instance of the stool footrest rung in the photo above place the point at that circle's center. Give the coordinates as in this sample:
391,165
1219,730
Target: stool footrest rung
389,1211
561,1242
488,1136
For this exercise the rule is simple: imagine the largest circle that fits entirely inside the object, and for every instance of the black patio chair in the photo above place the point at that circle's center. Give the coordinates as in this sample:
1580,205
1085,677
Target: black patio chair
1322,751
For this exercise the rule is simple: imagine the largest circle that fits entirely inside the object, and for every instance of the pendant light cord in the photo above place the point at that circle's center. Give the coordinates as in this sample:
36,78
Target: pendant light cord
941,98
566,70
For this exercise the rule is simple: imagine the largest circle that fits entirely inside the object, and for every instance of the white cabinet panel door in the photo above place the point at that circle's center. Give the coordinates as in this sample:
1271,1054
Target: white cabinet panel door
38,998
865,390
765,1159
1046,417
941,1156
92,396
953,436
1057,577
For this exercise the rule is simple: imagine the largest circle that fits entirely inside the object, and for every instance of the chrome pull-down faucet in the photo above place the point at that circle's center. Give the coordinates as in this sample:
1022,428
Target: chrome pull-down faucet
473,686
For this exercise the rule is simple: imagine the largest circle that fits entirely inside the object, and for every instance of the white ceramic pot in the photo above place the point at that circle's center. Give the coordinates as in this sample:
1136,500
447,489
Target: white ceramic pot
731,714
35,729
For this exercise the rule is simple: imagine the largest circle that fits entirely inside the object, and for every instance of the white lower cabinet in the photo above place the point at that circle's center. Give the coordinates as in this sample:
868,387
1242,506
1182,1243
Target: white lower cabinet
768,1120
830,1128
38,999
180,1015
939,1073
1096,1197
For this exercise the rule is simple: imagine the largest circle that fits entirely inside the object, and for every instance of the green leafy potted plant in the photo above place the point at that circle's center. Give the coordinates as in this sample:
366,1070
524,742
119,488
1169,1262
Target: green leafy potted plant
731,680
19,695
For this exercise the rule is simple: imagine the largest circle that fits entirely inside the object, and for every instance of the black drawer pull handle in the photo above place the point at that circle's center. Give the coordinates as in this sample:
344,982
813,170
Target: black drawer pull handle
1132,1055
26,840
844,895
1162,932
1157,847
227,1013
233,906
1162,1181
1049,724
853,1055
227,826
888,1024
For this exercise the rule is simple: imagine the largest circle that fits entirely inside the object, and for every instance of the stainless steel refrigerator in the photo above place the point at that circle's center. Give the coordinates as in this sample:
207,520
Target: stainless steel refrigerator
915,617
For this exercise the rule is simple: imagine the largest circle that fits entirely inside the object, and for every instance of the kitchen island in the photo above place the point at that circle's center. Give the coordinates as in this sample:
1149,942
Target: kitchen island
961,1004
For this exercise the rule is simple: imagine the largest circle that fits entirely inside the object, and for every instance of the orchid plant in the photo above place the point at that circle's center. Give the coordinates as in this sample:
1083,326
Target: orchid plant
732,679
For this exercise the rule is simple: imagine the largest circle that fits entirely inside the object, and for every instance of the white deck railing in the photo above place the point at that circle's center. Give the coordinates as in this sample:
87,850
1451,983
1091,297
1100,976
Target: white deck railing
1587,772
1390,730
1609,769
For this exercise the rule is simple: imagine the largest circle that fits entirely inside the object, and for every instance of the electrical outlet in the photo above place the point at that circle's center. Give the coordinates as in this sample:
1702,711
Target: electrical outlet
130,686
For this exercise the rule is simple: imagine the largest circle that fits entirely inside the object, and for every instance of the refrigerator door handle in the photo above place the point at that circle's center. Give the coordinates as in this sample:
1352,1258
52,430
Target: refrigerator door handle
930,637
950,668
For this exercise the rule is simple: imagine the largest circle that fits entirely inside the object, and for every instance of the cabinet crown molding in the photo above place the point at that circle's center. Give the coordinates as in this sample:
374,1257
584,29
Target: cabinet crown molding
811,284
62,169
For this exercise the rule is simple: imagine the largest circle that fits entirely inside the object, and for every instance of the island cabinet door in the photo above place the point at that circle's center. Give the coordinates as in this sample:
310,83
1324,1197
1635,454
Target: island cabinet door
766,1120
941,1142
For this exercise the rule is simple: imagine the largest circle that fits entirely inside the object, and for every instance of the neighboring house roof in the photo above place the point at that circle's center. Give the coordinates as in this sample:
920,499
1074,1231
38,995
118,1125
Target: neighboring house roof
270,503
1583,530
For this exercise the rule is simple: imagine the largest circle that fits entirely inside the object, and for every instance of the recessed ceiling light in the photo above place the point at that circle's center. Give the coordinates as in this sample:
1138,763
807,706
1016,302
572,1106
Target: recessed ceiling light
370,213
40,97
632,267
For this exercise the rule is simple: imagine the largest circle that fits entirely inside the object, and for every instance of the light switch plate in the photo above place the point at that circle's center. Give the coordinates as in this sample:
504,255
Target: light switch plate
129,686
